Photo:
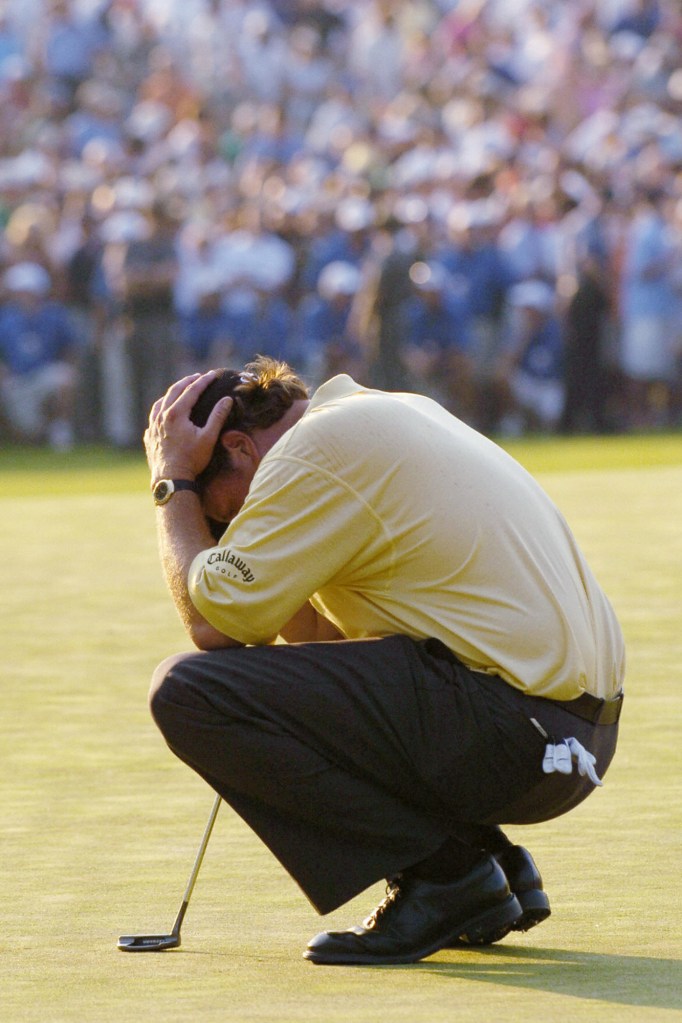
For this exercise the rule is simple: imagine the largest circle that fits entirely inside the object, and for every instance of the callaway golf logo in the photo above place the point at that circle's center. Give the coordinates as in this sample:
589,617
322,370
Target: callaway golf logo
224,558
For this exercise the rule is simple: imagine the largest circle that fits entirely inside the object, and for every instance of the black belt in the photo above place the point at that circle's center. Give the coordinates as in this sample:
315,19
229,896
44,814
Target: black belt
591,708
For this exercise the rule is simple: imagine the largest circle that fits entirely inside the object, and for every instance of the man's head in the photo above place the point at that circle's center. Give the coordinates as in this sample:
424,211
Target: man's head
263,394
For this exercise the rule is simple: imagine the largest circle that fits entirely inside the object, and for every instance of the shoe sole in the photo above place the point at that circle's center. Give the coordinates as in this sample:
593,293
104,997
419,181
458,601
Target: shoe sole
534,909
504,915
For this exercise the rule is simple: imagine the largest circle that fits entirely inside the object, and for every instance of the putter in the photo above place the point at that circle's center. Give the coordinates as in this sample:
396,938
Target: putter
159,942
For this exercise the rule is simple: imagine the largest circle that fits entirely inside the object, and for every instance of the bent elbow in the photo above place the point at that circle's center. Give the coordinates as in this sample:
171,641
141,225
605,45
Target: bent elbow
206,638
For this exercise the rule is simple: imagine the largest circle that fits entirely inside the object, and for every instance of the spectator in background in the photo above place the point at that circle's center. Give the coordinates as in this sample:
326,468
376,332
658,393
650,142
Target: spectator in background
11,49
247,252
205,328
309,72
647,304
148,278
259,320
377,51
529,240
261,53
198,296
335,123
82,275
472,255
382,306
586,305
438,345
327,325
97,117
381,302
641,17
587,394
256,265
117,231
38,355
534,359
346,238
65,46
272,140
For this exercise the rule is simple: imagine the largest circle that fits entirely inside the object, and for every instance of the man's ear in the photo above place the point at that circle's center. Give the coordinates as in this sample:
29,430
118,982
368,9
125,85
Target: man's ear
241,448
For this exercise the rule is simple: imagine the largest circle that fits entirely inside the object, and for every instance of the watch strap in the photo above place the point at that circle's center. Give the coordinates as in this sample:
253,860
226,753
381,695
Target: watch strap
185,485
163,489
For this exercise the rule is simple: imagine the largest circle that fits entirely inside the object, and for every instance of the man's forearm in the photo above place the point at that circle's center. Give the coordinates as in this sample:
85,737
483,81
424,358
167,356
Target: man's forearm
178,449
183,533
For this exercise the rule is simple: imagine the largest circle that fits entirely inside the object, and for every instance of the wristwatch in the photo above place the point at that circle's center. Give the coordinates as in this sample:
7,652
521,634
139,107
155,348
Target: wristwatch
164,489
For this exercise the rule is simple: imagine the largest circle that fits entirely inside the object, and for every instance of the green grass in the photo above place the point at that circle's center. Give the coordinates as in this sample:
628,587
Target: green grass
100,824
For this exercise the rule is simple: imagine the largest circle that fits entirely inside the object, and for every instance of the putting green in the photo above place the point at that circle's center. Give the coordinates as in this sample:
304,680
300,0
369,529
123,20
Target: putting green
101,824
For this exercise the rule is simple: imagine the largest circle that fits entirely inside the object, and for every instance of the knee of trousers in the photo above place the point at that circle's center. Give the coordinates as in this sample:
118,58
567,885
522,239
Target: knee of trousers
166,693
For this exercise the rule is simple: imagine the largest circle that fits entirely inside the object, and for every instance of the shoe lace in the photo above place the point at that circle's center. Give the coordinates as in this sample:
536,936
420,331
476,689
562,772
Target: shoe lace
393,893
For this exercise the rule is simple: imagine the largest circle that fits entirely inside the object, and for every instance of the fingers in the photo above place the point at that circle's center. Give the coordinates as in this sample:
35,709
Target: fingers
219,414
183,392
187,390
171,395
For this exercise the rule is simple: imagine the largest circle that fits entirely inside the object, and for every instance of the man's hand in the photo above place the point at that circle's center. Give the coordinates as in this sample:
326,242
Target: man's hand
176,448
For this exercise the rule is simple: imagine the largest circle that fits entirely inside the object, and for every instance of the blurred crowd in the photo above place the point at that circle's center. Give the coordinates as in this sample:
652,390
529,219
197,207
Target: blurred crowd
480,200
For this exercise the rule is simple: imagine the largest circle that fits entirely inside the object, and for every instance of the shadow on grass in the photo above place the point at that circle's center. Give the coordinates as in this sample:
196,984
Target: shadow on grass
622,979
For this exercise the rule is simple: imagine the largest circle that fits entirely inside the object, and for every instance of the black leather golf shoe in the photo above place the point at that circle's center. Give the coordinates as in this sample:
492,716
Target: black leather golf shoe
417,918
525,883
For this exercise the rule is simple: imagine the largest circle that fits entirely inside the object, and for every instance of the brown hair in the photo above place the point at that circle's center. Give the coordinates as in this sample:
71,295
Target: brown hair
263,391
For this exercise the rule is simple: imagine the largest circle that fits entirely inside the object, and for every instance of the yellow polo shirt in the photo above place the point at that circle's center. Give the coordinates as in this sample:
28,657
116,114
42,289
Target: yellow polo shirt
393,516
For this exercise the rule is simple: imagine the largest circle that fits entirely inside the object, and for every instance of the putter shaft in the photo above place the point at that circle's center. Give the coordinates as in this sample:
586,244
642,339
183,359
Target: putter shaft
158,942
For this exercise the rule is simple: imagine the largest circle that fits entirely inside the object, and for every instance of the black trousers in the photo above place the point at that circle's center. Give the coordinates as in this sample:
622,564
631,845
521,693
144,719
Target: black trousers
355,760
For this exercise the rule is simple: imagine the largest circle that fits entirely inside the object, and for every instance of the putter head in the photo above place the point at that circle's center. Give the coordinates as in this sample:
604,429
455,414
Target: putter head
148,942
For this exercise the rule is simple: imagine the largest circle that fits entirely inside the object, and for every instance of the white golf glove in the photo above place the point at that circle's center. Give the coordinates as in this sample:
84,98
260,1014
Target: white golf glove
560,757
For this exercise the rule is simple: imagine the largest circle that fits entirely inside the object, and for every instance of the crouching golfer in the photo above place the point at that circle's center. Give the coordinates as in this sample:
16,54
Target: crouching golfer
450,664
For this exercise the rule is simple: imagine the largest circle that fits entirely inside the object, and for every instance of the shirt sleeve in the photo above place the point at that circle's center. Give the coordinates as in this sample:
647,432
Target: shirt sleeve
300,527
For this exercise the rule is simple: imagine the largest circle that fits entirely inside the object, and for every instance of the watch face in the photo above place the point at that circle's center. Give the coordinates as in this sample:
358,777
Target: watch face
163,491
